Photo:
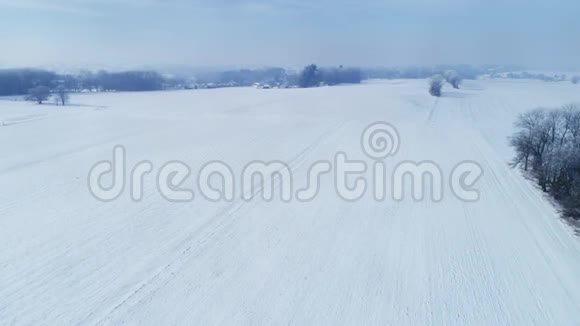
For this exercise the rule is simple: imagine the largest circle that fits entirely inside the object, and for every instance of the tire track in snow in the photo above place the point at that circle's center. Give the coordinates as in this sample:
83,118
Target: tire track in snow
432,112
500,184
23,119
188,248
44,116
72,151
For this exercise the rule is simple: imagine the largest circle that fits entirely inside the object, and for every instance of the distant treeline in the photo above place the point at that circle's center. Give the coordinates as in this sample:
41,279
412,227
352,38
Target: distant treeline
310,76
128,81
248,77
421,72
21,81
527,75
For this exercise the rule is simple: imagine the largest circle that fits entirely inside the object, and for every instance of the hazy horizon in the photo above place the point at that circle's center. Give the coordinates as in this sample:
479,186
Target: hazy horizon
288,33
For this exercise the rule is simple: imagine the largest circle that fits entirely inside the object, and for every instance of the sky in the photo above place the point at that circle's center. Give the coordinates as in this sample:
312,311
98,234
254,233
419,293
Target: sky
289,32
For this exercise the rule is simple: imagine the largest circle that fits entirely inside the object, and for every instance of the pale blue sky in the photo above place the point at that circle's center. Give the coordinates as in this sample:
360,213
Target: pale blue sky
289,32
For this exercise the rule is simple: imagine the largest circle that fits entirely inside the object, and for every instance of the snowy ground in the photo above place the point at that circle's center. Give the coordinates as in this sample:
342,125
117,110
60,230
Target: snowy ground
68,259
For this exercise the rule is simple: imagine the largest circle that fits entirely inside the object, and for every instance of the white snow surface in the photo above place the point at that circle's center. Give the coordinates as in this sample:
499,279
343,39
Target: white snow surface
69,259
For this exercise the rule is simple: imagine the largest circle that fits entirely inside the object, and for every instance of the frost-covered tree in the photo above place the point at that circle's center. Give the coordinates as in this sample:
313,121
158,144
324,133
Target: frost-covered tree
453,78
525,140
575,79
435,85
547,145
38,94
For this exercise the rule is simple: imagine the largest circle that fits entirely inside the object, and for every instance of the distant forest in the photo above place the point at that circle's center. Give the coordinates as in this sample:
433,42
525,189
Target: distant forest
21,81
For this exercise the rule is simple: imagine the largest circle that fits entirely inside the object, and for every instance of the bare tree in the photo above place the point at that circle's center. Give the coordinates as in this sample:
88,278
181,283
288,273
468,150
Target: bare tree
38,94
62,96
547,144
575,79
525,139
435,85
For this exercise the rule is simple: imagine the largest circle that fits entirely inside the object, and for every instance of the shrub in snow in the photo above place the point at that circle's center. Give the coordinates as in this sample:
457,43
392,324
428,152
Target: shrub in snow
452,77
435,85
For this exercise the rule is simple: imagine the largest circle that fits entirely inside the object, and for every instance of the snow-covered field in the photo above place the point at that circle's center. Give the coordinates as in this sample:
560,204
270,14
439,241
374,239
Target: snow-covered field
69,259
